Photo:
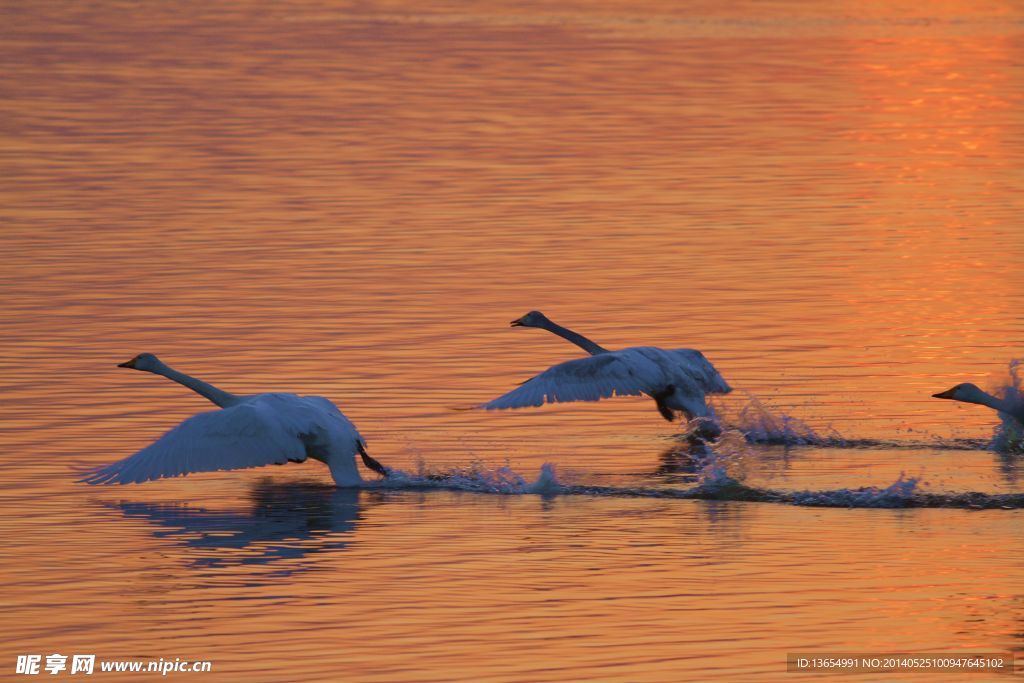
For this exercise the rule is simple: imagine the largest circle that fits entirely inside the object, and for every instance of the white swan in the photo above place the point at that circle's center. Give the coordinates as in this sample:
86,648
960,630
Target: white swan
250,431
677,379
970,393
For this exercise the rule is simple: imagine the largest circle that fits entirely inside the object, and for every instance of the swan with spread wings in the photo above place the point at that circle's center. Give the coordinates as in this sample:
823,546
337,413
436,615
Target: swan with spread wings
248,431
677,379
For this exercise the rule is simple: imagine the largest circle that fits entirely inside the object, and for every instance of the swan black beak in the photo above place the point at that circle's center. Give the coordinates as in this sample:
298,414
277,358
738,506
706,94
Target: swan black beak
127,364
944,394
517,323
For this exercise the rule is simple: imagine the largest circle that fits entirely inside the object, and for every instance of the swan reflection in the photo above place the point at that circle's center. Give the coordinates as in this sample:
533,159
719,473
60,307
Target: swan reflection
284,522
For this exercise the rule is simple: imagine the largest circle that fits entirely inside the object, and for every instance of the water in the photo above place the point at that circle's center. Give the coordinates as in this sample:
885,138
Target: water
354,201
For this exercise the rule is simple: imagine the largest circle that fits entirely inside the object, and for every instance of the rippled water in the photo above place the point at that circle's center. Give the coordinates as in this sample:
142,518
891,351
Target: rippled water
353,200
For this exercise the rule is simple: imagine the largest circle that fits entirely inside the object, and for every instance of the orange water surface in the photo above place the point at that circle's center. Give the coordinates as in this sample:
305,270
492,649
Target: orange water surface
353,199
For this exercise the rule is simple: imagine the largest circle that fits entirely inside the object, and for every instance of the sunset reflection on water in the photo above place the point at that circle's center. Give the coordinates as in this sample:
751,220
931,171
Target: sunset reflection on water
354,200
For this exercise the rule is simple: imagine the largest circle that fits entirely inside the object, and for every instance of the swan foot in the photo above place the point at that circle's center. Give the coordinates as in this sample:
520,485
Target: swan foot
372,463
706,429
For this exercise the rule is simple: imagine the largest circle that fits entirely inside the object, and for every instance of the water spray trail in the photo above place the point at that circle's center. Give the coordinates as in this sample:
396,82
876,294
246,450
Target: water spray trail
715,484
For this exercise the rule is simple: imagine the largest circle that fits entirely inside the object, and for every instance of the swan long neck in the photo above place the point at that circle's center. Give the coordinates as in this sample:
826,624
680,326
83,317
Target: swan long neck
983,398
576,338
204,389
1005,406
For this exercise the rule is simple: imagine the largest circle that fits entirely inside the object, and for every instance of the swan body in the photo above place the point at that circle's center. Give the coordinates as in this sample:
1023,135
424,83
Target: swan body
970,393
249,431
677,379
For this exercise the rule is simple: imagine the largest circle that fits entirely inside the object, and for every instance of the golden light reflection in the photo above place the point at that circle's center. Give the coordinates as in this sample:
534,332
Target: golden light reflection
353,200
933,140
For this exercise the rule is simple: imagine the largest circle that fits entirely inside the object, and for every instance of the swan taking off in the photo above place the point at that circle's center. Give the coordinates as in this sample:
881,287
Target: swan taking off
250,431
677,379
969,393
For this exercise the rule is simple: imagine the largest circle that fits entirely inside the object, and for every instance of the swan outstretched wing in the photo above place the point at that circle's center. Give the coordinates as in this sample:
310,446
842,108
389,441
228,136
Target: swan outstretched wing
250,434
584,379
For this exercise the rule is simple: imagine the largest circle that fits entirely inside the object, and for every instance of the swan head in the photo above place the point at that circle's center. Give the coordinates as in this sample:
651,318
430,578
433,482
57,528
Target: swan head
966,392
531,319
146,362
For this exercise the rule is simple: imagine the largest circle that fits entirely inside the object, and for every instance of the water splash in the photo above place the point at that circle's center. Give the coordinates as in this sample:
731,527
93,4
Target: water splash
715,484
761,424
1008,436
547,481
475,477
724,462
899,494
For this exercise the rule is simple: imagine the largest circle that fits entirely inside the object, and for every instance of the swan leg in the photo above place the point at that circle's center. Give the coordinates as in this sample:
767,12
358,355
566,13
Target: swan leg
661,398
696,409
372,463
707,429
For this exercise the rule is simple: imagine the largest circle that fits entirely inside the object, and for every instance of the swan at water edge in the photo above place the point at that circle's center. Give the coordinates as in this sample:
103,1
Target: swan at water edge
250,431
677,379
970,393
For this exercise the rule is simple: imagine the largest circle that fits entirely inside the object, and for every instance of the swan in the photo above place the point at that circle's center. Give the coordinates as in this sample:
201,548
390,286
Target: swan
249,431
677,379
970,393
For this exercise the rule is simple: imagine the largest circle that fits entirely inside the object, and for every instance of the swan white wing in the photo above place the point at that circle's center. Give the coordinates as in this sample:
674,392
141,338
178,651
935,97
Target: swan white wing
254,433
585,379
